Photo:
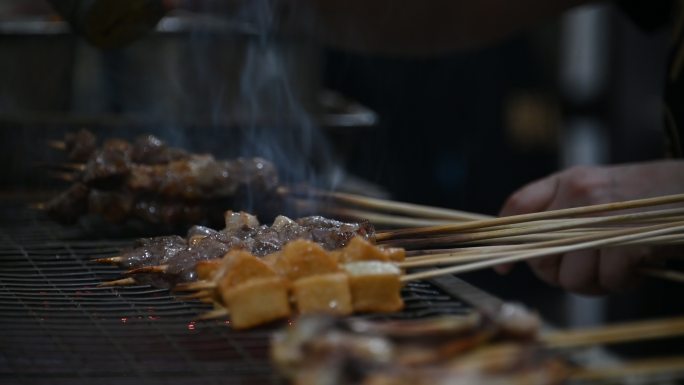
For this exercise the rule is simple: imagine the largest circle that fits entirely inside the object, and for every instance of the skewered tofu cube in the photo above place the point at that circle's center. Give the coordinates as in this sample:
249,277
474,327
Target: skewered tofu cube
375,286
240,266
206,269
360,249
245,278
394,254
257,302
302,258
324,293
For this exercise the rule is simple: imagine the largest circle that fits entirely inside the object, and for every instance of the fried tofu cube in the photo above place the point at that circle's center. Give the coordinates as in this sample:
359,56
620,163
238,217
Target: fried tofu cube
359,249
324,293
375,286
240,266
206,269
394,254
301,258
257,302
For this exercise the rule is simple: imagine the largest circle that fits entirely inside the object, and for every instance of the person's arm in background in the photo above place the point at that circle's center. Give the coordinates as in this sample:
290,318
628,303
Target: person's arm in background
597,272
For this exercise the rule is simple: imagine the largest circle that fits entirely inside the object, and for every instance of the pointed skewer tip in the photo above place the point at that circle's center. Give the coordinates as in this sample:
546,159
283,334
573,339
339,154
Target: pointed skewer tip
119,282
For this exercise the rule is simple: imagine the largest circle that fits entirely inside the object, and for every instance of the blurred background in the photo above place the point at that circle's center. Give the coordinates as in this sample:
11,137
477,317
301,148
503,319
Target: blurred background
461,130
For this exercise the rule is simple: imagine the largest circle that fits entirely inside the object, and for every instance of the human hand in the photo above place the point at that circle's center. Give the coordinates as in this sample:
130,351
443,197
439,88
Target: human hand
595,271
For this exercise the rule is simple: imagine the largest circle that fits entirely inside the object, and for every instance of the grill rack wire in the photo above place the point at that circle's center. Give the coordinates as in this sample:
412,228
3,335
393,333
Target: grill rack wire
58,327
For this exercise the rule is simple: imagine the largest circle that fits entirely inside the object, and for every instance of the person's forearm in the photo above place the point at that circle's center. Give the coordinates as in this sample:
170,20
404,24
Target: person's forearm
420,27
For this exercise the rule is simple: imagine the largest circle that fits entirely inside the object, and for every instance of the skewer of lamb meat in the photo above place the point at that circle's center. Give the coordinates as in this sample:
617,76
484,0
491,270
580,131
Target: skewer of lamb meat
175,257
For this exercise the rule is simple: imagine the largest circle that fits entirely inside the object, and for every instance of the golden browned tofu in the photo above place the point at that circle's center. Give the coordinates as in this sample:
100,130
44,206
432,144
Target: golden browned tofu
375,286
206,269
324,293
240,266
394,254
271,258
302,258
257,302
359,249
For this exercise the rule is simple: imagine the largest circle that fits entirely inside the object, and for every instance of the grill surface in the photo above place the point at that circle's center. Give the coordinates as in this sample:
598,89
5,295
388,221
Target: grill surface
58,327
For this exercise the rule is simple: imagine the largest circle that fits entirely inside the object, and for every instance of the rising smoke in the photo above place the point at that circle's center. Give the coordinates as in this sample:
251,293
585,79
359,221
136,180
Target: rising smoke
278,125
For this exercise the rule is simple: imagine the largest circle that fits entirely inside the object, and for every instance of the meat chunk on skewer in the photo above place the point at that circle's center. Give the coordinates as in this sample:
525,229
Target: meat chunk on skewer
109,166
80,145
153,251
148,149
70,205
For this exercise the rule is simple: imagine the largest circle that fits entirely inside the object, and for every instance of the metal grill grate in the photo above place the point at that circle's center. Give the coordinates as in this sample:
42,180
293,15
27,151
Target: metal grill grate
57,327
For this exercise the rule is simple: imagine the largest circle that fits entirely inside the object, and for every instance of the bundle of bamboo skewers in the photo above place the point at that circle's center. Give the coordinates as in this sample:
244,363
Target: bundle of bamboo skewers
461,242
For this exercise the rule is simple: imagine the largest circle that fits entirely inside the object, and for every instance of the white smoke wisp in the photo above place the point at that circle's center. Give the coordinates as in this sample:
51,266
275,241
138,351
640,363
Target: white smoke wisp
278,127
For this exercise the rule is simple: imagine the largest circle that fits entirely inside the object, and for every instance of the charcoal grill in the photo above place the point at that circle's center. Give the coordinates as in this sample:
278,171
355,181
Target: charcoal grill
58,327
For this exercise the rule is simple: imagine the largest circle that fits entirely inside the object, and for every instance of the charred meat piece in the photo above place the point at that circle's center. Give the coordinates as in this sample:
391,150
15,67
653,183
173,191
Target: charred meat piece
80,145
172,212
331,233
182,264
114,206
153,251
148,149
110,165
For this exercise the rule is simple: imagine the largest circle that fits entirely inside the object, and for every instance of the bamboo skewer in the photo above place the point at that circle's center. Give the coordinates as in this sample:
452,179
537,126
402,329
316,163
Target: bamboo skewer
71,167
157,269
110,260
620,333
129,281
639,203
534,238
488,252
65,176
533,229
670,275
40,206
380,219
413,209
192,286
57,145
667,366
615,237
455,257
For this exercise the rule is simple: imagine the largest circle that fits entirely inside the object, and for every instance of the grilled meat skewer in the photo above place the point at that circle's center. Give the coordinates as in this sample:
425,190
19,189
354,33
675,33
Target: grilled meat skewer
155,183
242,231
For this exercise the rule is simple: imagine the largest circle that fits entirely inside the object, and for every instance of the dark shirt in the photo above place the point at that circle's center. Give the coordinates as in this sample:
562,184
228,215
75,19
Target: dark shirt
655,14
